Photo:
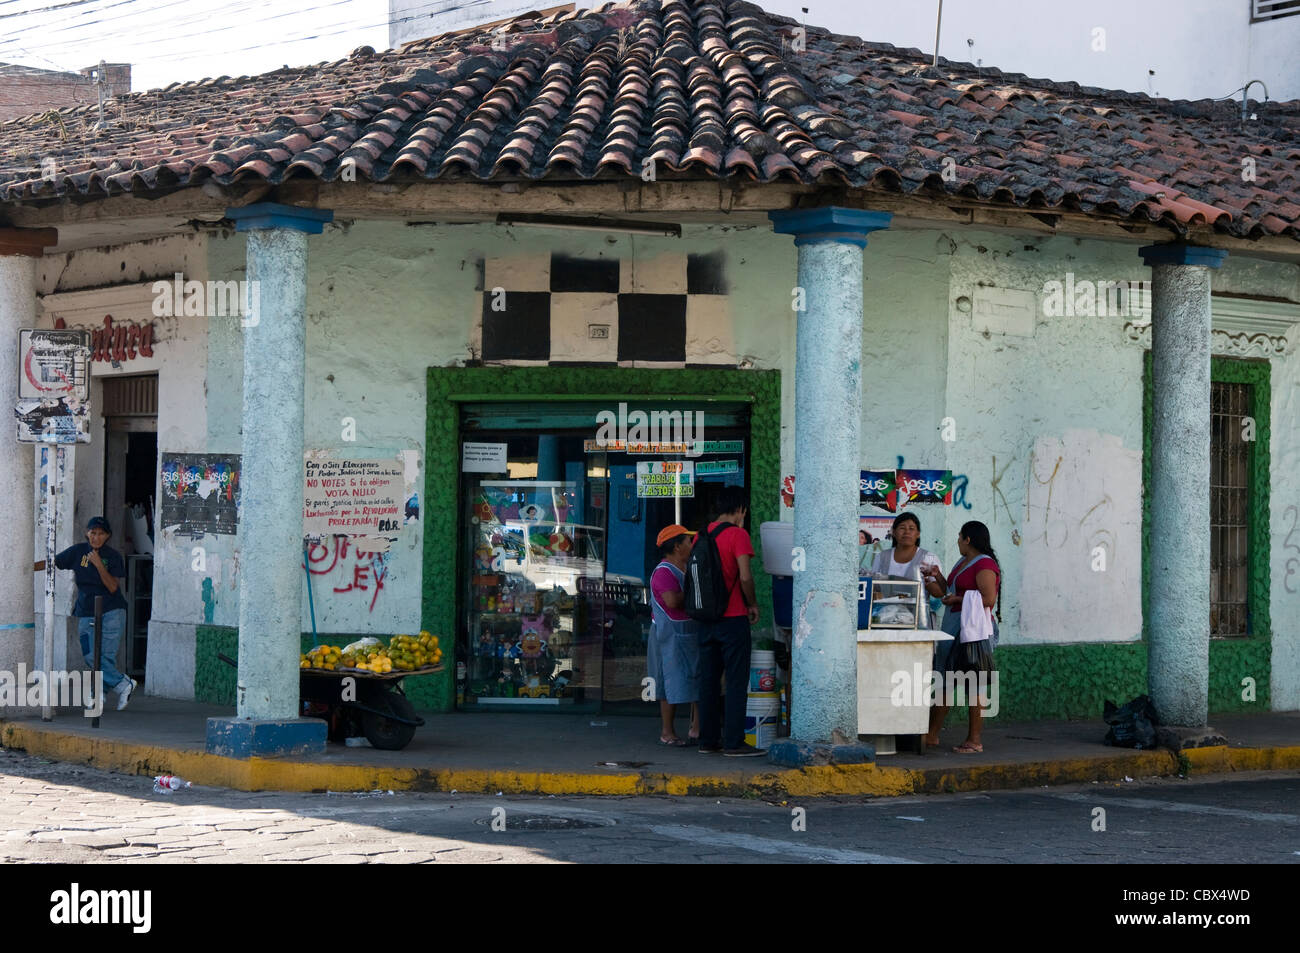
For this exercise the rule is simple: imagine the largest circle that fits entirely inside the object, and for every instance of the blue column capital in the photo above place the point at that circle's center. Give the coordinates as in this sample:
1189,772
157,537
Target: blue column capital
830,223
274,215
1176,253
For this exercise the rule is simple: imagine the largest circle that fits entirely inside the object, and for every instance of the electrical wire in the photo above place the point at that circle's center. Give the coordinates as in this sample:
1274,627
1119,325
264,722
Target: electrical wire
128,33
322,32
57,6
131,36
304,39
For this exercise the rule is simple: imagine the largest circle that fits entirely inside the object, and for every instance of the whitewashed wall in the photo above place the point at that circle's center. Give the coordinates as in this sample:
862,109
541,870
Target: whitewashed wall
81,288
385,302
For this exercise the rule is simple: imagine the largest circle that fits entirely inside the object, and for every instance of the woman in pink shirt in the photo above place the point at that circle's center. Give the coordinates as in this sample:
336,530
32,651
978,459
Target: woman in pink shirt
673,653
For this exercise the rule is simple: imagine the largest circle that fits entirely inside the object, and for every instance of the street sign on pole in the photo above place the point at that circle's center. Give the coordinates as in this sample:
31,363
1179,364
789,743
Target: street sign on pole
53,386
53,408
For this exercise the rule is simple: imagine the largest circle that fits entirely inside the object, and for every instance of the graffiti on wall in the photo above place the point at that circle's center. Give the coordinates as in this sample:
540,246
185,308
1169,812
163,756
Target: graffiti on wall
1082,523
349,567
1292,564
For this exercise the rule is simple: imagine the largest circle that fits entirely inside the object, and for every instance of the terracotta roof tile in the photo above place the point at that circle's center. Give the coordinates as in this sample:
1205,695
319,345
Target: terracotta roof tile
703,88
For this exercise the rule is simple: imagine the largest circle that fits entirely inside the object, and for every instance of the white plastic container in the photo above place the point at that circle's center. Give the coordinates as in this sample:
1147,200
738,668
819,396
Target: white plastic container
778,541
762,672
760,719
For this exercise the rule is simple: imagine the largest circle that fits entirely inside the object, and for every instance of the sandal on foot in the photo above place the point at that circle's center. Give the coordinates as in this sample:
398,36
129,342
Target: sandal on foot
672,742
967,747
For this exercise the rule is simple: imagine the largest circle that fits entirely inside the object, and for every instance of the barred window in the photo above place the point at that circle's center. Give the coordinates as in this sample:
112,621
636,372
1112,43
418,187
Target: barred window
1230,458
1273,9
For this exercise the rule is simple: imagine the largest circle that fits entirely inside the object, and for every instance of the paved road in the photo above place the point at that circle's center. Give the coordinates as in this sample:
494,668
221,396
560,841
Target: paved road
59,812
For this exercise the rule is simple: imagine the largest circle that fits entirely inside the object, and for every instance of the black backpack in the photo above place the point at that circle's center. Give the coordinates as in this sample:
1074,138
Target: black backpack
705,588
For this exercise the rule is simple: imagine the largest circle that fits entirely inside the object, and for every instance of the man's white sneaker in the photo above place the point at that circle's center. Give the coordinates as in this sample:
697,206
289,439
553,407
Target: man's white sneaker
124,692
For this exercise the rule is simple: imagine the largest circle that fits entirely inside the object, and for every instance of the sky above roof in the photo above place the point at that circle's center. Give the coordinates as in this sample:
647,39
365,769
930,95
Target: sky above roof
169,41
700,89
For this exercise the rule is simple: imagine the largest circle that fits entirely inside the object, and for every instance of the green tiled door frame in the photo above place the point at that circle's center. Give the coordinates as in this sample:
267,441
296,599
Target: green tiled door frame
1231,659
449,387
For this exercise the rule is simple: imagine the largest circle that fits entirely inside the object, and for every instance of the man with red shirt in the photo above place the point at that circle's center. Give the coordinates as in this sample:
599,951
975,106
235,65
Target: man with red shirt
725,645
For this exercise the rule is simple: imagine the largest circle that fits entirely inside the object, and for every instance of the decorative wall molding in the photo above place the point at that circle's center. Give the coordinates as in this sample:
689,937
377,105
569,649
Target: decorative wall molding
1242,327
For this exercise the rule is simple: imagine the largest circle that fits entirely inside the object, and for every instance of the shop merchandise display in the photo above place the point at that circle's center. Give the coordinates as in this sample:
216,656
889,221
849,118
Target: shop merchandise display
522,591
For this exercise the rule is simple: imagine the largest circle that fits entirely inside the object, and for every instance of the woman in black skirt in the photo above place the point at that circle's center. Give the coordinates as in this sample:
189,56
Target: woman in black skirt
977,569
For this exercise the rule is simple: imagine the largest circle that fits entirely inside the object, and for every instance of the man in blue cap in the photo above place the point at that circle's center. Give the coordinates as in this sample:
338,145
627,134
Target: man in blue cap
97,570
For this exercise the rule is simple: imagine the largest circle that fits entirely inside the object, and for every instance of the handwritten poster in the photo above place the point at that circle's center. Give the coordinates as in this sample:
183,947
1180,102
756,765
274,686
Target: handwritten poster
353,497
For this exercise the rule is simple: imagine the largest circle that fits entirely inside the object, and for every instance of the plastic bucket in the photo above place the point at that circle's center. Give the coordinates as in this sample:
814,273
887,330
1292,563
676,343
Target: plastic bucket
762,672
760,718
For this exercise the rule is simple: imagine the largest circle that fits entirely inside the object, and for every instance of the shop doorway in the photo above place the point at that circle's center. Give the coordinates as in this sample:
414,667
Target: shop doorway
557,543
130,479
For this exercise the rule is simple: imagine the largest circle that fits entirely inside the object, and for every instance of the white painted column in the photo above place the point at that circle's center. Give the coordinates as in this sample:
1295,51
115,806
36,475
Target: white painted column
1178,625
828,421
275,361
19,249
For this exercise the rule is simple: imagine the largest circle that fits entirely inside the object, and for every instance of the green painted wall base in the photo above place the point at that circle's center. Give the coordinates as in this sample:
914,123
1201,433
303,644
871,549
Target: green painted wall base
1063,682
1035,682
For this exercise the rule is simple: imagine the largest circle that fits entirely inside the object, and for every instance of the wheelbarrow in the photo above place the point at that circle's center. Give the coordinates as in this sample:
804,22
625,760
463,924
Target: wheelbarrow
379,709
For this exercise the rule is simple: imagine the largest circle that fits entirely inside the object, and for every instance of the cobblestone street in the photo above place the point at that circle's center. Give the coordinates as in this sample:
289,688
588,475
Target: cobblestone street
53,812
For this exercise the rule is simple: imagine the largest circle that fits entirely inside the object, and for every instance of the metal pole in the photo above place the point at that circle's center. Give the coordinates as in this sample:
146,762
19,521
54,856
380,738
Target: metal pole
51,521
677,497
938,22
311,602
97,648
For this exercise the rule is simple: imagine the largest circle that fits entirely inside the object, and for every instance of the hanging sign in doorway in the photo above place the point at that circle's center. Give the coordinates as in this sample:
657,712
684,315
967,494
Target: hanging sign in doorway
665,478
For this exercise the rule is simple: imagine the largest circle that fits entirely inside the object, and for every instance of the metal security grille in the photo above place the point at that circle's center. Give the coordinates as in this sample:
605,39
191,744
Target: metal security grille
131,396
1229,506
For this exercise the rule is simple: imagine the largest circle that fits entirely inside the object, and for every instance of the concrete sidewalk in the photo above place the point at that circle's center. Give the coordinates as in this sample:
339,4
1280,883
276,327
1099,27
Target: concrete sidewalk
612,755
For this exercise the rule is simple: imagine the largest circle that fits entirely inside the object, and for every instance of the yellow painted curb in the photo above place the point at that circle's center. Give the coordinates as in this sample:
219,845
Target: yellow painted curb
857,780
1222,759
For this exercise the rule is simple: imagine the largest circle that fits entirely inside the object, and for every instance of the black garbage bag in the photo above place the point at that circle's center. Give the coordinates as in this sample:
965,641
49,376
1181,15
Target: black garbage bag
1133,724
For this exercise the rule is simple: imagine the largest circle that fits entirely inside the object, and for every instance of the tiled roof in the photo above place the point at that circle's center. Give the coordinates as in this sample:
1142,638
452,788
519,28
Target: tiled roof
708,89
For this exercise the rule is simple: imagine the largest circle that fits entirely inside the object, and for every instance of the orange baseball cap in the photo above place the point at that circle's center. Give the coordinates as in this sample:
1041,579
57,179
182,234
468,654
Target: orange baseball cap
668,532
